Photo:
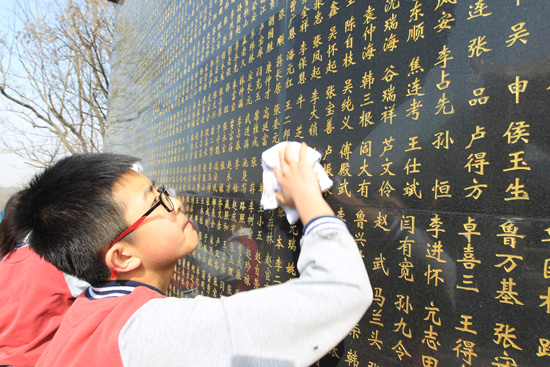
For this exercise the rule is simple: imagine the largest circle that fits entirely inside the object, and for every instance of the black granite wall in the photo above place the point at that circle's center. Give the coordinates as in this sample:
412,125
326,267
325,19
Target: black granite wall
433,120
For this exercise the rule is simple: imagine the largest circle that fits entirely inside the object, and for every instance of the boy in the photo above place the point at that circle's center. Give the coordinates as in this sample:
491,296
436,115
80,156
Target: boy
94,205
34,295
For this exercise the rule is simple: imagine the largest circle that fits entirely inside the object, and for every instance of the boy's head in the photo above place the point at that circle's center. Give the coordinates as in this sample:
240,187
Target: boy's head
10,235
76,209
71,214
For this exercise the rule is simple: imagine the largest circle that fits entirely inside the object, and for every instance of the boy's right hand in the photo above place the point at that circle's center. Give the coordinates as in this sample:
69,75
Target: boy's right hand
300,186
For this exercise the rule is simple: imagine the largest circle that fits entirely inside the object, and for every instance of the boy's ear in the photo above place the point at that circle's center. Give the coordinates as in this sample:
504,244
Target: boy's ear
119,259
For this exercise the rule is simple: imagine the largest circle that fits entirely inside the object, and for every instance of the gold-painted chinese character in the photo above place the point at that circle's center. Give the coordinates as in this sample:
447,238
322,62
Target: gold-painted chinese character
516,191
441,189
435,251
412,188
416,32
364,189
477,163
433,275
429,361
373,340
478,134
402,326
506,360
400,350
478,10
477,46
403,304
442,106
480,98
430,338
432,313
466,348
444,84
355,332
435,226
517,162
416,12
443,56
405,273
510,260
517,131
414,88
443,140
389,74
510,233
390,43
505,336
444,21
414,66
466,324
364,169
520,34
378,298
360,219
378,263
392,5
544,348
475,190
517,87
366,148
352,359
414,110
369,15
507,293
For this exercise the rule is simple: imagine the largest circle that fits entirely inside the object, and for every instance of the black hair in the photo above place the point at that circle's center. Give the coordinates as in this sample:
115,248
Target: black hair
10,234
71,215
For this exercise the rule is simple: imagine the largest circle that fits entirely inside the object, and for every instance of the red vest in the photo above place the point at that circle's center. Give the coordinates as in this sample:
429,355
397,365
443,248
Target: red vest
34,296
88,336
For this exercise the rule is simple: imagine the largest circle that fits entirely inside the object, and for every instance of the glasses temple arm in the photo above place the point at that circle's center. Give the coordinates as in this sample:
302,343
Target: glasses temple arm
123,234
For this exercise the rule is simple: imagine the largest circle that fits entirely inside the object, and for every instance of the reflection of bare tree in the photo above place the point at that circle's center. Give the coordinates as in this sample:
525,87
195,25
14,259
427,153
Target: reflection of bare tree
138,71
55,78
124,88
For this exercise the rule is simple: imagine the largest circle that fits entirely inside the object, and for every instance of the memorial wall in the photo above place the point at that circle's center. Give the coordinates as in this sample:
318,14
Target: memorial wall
433,118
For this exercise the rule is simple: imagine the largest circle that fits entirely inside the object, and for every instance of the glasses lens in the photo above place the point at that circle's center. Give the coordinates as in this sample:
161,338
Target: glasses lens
165,197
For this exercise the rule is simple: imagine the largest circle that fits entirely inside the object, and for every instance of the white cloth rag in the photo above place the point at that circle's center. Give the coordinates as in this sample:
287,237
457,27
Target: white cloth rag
270,160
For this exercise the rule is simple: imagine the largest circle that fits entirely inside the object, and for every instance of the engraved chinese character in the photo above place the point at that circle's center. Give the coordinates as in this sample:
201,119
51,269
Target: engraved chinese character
518,87
517,131
477,46
520,34
504,335
478,10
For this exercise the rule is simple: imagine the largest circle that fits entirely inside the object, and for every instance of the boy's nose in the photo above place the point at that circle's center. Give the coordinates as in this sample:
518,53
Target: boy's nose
178,205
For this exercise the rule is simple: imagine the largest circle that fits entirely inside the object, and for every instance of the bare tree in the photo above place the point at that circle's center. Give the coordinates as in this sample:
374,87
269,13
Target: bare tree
54,78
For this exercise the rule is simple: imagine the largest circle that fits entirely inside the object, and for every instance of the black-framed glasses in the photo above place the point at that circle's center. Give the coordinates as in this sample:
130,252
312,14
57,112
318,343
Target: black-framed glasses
163,199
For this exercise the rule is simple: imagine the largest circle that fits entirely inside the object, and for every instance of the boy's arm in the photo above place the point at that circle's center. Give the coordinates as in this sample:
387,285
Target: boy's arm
290,324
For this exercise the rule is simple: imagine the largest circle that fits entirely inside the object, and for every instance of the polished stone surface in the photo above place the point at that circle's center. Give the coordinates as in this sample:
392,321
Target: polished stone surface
433,120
